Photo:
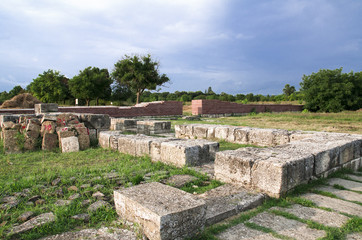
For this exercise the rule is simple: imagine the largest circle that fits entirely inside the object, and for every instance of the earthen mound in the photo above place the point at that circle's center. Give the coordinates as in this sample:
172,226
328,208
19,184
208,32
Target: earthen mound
25,100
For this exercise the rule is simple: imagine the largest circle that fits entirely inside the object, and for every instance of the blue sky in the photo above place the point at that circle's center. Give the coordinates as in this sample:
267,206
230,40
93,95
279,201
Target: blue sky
234,46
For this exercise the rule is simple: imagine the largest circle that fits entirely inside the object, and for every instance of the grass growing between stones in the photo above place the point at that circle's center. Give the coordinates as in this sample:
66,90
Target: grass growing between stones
233,146
37,180
354,224
344,122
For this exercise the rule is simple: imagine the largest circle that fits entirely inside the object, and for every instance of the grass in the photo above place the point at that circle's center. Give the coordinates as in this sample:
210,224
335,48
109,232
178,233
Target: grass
33,172
343,122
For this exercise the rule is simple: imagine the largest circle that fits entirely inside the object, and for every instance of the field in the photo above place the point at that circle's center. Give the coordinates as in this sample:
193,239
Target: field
40,179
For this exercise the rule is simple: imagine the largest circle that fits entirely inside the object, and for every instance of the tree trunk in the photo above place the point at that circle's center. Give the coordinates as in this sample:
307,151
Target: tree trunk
138,97
96,101
87,102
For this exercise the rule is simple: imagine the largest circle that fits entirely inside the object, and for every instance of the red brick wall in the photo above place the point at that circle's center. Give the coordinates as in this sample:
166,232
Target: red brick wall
223,107
161,108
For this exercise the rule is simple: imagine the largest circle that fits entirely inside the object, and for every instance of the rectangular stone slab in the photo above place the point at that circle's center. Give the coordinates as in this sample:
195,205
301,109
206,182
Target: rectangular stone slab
163,212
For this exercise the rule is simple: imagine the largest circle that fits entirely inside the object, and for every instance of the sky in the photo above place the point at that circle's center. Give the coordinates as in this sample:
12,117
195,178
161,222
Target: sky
233,46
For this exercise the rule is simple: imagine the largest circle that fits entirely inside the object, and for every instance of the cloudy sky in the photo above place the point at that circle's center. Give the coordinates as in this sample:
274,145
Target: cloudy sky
234,46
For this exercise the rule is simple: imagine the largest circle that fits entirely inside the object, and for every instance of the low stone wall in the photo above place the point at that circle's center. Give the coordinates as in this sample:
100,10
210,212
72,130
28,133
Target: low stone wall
173,151
292,157
217,107
147,127
160,108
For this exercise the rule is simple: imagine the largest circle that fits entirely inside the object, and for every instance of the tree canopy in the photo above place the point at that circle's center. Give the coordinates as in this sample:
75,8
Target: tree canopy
288,90
138,73
91,83
51,86
332,90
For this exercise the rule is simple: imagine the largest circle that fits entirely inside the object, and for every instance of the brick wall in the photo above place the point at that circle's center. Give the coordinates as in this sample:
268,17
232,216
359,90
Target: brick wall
222,107
161,108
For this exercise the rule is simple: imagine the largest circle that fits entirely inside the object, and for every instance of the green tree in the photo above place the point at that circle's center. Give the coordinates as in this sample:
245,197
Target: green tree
91,83
16,91
332,91
288,90
51,86
139,73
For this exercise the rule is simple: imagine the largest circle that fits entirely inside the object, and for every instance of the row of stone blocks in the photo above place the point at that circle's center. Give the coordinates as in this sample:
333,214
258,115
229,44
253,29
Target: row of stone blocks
141,127
277,170
173,151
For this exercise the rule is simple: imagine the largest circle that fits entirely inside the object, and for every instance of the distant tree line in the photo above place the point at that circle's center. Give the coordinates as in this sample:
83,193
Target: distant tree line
324,91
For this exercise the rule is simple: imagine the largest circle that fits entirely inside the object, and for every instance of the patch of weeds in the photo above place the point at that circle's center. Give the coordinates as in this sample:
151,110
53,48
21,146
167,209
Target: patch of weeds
340,187
324,193
20,140
353,225
200,186
1,145
301,201
303,188
233,146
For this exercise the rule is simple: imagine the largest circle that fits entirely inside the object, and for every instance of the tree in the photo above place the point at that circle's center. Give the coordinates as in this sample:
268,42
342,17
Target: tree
138,73
51,86
332,91
16,91
91,83
288,90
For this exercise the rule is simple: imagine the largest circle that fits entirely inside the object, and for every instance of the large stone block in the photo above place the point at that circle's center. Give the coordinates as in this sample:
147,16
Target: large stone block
153,127
261,137
67,118
180,131
136,145
70,144
200,131
123,124
47,126
10,141
64,133
191,152
222,132
155,147
96,121
45,107
241,135
104,138
50,141
164,212
84,141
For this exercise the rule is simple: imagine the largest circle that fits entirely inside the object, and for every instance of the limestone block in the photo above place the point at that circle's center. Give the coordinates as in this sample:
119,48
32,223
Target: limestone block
45,107
155,147
281,137
48,117
8,118
47,126
210,132
180,131
64,118
82,130
84,141
241,135
189,131
10,141
143,145
356,164
104,138
50,141
346,152
96,121
222,132
181,153
123,124
7,125
70,144
200,131
31,140
261,137
113,142
64,134
136,145
163,212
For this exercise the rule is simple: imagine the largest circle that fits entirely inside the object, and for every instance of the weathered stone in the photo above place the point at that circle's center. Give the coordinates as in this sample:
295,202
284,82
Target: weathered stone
351,185
74,196
72,188
32,126
84,142
200,131
330,219
222,132
61,202
105,138
45,107
354,236
64,133
48,117
241,135
10,141
242,232
98,195
98,186
354,177
7,125
123,124
25,216
343,194
103,233
50,141
96,121
97,205
228,200
192,152
56,181
153,127
164,212
180,180
9,205
34,222
70,144
83,186
8,199
39,202
136,145
34,198
48,126
155,147
83,217
287,227
335,204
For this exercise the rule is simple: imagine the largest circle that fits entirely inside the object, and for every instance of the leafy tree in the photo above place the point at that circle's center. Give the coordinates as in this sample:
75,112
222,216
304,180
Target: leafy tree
120,92
16,91
51,86
209,91
91,83
332,91
138,73
288,90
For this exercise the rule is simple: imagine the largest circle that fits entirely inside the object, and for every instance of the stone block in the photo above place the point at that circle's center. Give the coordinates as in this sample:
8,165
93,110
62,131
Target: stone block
7,125
180,131
8,118
200,131
281,137
65,118
123,124
153,127
155,147
45,107
84,141
96,121
222,132
104,138
135,145
47,126
127,145
10,141
48,117
64,134
93,135
191,153
211,132
82,130
70,144
50,141
346,152
261,137
163,212
31,140
241,135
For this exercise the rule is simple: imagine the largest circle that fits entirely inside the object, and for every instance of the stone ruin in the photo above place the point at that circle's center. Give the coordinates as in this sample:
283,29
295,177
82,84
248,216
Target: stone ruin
49,130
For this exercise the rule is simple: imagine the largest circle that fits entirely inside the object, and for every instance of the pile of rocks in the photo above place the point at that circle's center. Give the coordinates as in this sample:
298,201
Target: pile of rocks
69,132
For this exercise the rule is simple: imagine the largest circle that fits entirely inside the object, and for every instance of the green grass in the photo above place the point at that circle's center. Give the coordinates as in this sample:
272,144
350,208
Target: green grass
233,146
35,172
